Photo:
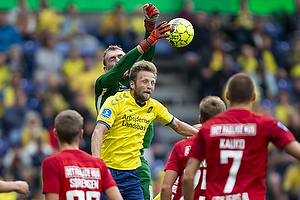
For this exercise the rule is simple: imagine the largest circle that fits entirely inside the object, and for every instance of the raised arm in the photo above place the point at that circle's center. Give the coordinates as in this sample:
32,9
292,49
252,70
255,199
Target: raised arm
116,73
131,57
151,14
160,32
183,128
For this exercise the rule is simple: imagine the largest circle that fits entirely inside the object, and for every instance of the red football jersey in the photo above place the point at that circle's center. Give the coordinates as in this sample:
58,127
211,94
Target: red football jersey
177,162
235,146
74,174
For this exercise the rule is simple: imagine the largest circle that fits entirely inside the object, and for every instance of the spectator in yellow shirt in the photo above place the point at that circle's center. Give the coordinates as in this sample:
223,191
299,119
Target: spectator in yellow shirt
247,60
85,80
73,65
48,18
114,28
5,74
291,181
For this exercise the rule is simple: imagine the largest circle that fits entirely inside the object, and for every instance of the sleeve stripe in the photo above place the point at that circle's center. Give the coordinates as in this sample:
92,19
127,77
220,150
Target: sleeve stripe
170,122
102,122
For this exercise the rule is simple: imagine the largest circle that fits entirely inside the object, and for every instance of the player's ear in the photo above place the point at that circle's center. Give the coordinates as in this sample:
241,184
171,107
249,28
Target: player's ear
254,96
106,69
131,82
227,96
55,133
200,119
81,133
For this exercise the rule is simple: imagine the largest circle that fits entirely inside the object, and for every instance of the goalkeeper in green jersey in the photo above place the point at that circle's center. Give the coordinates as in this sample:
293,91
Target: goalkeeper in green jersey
116,79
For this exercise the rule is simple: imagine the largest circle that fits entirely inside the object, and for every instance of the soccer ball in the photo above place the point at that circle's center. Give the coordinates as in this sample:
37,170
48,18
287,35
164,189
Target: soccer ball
181,33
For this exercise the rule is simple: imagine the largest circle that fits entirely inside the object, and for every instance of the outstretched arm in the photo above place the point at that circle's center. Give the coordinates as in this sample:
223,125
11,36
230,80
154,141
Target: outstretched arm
293,148
21,187
183,128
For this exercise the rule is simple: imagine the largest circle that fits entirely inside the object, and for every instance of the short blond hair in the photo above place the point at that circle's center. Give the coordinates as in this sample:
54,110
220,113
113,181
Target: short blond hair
142,66
210,106
110,48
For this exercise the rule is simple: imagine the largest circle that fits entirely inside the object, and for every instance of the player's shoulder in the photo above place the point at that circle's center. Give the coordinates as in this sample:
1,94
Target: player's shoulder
232,113
119,98
88,157
184,142
51,157
155,103
98,161
100,78
262,118
55,158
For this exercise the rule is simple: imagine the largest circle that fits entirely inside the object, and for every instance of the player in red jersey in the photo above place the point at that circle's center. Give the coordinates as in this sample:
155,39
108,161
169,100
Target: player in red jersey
73,174
235,146
171,188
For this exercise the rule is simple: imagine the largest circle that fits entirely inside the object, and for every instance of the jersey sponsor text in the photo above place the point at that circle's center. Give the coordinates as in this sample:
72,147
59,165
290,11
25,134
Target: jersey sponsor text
137,122
135,119
82,172
233,130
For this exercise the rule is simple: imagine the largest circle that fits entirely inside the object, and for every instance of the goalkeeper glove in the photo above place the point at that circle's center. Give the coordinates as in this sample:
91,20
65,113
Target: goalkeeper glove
157,34
151,14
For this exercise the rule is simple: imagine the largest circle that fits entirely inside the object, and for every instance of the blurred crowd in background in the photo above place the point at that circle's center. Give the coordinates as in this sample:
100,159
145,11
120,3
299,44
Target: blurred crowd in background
49,61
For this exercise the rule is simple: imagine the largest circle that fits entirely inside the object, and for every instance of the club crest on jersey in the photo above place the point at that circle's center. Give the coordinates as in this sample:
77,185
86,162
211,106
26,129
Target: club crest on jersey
149,109
282,126
106,113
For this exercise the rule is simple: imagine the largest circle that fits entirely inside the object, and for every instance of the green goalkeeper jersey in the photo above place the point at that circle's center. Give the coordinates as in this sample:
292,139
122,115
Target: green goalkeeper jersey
110,83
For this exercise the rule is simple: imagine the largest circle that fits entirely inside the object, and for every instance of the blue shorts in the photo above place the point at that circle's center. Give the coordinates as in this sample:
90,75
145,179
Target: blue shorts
128,183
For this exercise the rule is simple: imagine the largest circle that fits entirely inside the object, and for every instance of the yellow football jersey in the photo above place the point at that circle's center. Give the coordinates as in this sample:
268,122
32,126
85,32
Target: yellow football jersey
127,121
157,197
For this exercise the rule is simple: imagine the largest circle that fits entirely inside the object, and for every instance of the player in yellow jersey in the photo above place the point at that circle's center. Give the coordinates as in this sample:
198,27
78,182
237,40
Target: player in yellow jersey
121,126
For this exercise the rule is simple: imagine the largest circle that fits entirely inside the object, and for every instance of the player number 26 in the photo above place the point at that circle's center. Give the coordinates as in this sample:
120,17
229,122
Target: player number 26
81,196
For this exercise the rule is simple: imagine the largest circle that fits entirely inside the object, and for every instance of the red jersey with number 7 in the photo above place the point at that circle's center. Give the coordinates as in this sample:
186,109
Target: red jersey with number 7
235,146
177,162
74,174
